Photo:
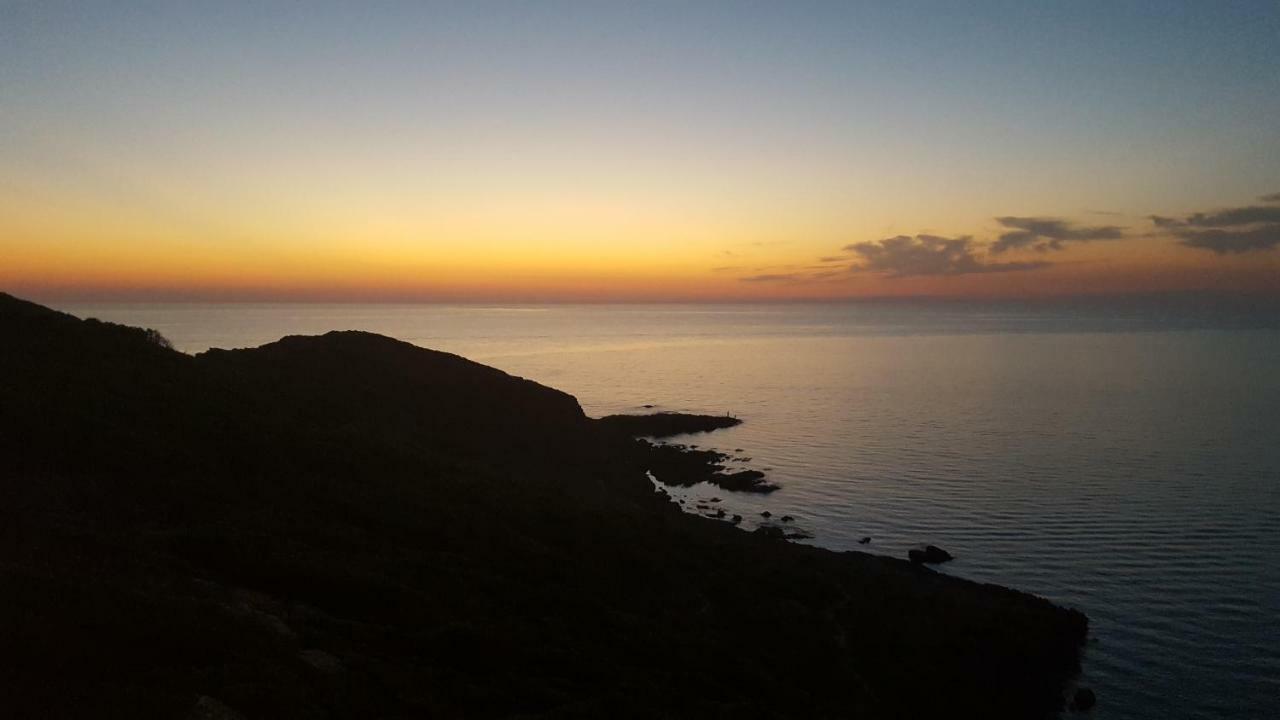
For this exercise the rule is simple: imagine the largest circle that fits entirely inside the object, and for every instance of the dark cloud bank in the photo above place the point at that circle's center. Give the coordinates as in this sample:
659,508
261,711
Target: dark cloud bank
905,256
1230,231
908,256
919,255
1044,234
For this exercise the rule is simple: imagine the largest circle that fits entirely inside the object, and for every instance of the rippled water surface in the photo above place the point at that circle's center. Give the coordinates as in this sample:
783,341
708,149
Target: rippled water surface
1125,463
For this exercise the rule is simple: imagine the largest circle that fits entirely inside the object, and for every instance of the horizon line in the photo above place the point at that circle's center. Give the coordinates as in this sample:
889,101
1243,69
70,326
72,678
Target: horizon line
1206,294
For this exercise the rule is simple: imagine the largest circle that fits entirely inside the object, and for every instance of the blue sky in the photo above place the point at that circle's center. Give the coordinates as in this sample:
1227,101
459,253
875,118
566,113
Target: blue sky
840,120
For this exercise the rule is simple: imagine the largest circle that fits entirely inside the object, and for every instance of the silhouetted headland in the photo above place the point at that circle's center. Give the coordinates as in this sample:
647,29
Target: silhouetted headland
349,526
681,465
666,424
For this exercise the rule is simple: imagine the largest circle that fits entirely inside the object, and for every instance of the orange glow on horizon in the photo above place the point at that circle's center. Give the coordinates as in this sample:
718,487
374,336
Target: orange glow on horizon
595,246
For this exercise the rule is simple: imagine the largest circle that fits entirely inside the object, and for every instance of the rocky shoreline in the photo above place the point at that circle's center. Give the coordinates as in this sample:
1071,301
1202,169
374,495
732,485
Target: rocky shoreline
666,424
679,465
348,526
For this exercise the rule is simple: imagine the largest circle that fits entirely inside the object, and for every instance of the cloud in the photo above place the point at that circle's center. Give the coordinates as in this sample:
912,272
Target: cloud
1228,231
1228,242
1044,234
1234,217
773,277
906,256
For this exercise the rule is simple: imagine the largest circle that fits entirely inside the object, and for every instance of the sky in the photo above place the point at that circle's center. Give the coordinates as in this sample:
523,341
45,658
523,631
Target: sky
562,151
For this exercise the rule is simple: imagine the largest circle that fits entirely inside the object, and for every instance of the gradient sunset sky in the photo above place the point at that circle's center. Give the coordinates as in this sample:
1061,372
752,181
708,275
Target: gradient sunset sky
637,151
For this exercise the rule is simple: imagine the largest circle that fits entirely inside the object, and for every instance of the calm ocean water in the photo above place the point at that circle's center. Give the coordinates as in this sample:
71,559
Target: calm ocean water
1125,462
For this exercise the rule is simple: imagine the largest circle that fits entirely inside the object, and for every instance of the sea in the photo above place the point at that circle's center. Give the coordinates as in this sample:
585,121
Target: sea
1119,457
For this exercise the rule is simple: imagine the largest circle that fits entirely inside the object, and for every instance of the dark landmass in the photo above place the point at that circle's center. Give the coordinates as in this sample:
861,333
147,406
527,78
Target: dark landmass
666,424
348,526
682,466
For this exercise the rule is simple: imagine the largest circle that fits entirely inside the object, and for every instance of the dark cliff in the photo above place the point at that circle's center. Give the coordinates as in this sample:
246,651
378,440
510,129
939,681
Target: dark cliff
351,526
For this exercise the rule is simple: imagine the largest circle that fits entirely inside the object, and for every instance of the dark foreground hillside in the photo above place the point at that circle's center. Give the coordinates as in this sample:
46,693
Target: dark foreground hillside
351,526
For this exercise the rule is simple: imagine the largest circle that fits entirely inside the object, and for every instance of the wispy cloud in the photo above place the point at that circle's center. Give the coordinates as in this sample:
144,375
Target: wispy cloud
1044,234
1228,231
906,256
774,277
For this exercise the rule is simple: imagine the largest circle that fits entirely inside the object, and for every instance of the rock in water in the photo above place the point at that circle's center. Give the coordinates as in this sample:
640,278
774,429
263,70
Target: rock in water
929,554
744,481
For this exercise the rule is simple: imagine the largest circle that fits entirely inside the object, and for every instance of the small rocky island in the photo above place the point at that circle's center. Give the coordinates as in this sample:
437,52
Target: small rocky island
349,526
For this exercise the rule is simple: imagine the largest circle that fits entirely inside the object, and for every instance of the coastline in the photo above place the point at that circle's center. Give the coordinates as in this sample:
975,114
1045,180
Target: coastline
356,518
